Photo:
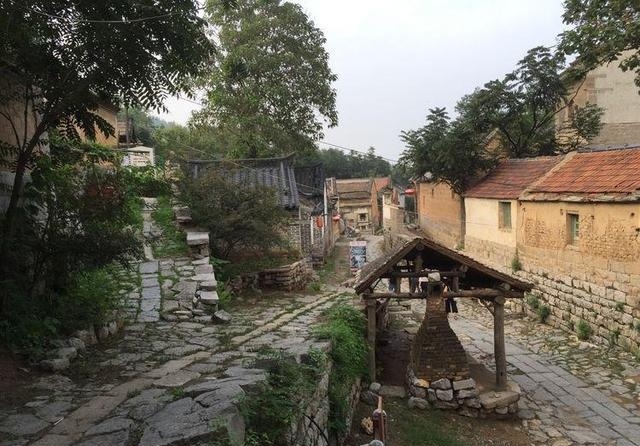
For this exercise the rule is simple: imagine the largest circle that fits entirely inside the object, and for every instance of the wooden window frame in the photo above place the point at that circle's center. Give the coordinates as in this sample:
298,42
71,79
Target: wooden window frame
502,205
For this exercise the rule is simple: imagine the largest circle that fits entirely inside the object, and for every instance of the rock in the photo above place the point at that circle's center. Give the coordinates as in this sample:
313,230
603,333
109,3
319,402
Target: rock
110,425
112,439
102,332
376,443
502,410
148,267
209,298
202,261
469,412
369,398
446,404
204,269
221,317
444,395
464,384
53,411
375,387
210,277
491,400
176,379
169,305
169,317
418,392
86,336
418,402
467,393
431,396
367,425
54,365
442,384
197,238
473,402
77,343
22,424
189,422
112,327
68,353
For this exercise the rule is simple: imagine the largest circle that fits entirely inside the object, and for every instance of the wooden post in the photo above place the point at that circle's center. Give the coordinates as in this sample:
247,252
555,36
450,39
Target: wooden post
498,343
371,337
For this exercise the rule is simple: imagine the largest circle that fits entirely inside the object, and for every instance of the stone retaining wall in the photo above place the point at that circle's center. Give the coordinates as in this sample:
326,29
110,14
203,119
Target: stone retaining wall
294,276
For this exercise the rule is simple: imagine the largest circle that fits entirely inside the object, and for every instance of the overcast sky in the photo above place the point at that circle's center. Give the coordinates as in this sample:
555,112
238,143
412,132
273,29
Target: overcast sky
395,59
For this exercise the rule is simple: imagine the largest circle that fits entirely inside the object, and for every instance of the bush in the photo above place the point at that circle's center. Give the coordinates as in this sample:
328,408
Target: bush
584,330
148,181
516,265
543,312
345,327
533,302
173,241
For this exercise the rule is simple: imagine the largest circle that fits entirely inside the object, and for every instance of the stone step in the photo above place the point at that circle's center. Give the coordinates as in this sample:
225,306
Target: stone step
209,297
208,277
197,238
210,285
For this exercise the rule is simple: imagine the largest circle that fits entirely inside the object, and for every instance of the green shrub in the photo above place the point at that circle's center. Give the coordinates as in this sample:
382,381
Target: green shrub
173,242
345,327
314,286
224,296
583,330
148,181
619,306
516,265
533,302
543,312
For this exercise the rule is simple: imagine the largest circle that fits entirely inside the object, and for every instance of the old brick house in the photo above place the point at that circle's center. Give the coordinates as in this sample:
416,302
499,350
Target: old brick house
492,208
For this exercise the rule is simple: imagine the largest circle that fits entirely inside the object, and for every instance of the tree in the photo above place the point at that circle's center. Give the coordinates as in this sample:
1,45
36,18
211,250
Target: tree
600,30
523,105
353,164
236,215
59,59
270,90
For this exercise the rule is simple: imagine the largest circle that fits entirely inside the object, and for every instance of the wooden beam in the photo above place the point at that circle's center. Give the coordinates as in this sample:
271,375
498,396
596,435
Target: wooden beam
483,293
424,273
371,337
499,350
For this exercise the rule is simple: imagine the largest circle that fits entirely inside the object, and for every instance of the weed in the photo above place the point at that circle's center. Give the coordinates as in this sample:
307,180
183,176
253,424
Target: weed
345,328
516,265
619,306
173,242
543,312
177,392
584,330
314,287
224,296
533,302
614,337
637,326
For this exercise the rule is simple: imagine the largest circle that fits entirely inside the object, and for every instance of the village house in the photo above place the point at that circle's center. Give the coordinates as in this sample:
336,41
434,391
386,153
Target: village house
615,91
492,207
393,208
579,239
357,202
439,211
303,230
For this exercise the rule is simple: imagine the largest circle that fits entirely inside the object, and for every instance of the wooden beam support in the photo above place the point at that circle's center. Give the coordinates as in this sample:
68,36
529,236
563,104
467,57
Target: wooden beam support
371,337
499,350
423,273
482,293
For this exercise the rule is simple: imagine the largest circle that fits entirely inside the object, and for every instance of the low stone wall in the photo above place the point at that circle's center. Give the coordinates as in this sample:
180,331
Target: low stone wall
495,254
462,396
290,277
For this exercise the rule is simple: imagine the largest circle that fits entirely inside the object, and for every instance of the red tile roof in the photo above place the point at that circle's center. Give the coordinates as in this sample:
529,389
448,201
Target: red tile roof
605,171
512,177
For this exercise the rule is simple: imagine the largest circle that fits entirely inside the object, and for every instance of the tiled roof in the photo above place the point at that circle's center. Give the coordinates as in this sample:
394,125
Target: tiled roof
594,172
512,177
276,173
356,188
381,182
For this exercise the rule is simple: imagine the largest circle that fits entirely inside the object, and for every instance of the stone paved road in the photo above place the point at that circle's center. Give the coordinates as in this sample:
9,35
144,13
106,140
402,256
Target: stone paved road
560,408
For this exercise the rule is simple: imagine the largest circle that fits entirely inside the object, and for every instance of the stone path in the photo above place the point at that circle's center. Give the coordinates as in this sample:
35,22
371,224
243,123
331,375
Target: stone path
166,376
574,393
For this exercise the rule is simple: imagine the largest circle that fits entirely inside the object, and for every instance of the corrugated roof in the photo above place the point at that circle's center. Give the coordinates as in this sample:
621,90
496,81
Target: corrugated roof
614,171
511,177
276,173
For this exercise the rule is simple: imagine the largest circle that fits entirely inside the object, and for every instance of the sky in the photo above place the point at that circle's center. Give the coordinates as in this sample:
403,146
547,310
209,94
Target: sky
395,59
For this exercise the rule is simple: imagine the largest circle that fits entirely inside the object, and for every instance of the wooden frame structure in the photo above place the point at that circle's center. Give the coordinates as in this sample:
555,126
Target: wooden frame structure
465,278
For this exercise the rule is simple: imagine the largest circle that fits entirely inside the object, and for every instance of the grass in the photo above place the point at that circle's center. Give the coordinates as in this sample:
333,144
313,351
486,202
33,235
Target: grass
173,242
584,330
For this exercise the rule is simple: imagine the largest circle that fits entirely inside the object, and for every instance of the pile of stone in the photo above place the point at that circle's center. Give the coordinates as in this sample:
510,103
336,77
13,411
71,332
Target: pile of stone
295,276
462,396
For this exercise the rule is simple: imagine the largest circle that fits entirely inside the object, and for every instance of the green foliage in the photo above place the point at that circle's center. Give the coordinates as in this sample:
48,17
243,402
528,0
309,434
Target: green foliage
148,181
599,31
583,330
619,306
339,164
345,327
270,90
271,408
173,241
516,265
533,302
224,296
314,286
614,337
236,216
543,312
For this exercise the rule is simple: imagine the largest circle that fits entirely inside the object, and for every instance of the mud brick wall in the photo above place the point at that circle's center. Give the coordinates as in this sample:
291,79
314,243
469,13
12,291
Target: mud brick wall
494,253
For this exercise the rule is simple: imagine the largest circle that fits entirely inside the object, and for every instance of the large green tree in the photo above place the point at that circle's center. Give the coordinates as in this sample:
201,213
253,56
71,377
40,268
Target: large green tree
59,59
340,164
600,30
270,90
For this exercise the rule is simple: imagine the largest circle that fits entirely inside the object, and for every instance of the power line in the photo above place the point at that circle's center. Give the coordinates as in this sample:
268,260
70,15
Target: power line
355,150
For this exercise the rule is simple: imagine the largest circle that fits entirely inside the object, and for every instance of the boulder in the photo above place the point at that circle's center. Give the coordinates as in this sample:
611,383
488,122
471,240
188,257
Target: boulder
464,384
418,402
221,317
442,384
54,365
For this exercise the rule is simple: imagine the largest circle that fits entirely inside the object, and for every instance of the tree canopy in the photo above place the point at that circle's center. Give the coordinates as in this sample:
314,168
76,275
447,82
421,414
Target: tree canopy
600,31
340,164
270,91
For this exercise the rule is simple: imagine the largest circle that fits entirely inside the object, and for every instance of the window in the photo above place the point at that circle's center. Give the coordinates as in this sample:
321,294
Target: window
504,215
573,228
362,217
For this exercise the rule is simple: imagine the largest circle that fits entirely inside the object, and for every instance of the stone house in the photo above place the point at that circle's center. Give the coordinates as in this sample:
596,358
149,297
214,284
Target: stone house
393,208
279,174
492,208
579,240
354,202
615,91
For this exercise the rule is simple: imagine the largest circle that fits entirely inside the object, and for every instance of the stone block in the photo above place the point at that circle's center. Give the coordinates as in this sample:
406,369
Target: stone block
418,403
204,269
54,365
209,277
375,387
467,393
442,384
209,297
69,353
431,395
86,336
202,261
446,405
444,395
197,238
491,400
464,384
221,317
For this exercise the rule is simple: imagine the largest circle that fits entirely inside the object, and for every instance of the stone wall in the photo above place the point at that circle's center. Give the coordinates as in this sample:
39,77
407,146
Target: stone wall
439,213
493,253
290,277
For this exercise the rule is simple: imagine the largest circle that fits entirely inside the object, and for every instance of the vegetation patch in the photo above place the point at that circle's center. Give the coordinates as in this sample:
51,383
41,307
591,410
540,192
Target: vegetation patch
345,327
584,330
173,242
543,312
